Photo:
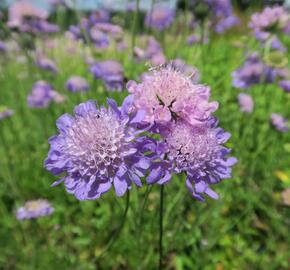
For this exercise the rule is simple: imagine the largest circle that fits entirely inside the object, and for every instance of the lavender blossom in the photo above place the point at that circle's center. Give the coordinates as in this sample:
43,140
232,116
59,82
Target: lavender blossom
77,84
166,93
34,209
285,85
199,152
279,122
111,72
160,18
99,148
5,112
46,64
42,95
246,103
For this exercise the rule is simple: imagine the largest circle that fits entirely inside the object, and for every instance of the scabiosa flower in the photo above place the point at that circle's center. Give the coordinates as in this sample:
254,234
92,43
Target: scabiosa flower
77,84
42,94
279,122
199,152
99,148
285,85
111,72
165,94
246,103
5,112
46,64
160,18
190,71
34,209
253,71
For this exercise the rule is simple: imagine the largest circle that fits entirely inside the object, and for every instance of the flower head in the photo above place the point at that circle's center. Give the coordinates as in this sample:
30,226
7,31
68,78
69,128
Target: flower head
197,151
46,64
279,122
160,18
77,84
5,112
42,94
246,103
166,94
111,72
99,148
285,85
34,209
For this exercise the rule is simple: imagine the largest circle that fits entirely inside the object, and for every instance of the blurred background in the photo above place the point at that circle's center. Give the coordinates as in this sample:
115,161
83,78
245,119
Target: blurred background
55,54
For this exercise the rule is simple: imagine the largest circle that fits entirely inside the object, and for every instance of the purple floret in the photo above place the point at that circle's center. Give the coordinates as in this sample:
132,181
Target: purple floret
246,103
46,64
111,72
99,148
34,209
285,85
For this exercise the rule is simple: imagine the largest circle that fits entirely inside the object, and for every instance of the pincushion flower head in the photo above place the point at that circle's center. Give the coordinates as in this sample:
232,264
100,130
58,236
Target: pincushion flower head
166,94
246,103
77,84
198,151
5,112
111,72
46,64
99,148
34,209
160,17
279,122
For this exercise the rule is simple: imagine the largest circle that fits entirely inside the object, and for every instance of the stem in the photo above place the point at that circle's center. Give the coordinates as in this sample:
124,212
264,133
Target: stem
161,226
116,234
134,26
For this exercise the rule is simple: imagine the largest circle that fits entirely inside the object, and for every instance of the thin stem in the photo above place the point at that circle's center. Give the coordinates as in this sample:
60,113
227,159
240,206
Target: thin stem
161,226
117,233
134,26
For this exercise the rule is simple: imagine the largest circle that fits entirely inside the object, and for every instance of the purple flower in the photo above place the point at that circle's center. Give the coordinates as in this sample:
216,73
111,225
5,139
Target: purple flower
42,95
77,84
34,209
160,18
199,152
285,85
5,112
99,38
246,103
46,64
166,93
111,72
253,71
98,16
3,47
269,20
190,71
99,148
226,23
279,122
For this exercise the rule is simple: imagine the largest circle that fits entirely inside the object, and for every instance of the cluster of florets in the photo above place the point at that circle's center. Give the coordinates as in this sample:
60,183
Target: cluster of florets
100,148
97,29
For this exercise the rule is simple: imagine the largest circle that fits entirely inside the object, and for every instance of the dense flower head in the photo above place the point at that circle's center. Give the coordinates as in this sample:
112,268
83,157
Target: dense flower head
246,103
111,72
5,112
99,148
160,17
279,122
42,94
285,85
34,209
46,64
77,84
269,20
253,71
197,150
166,94
188,70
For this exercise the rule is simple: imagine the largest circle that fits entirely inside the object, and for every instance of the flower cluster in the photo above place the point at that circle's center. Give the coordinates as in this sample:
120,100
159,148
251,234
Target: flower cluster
34,209
42,94
77,84
111,72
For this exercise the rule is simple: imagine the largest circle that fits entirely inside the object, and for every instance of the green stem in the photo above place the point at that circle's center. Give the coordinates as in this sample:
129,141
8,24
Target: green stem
134,27
117,233
161,226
